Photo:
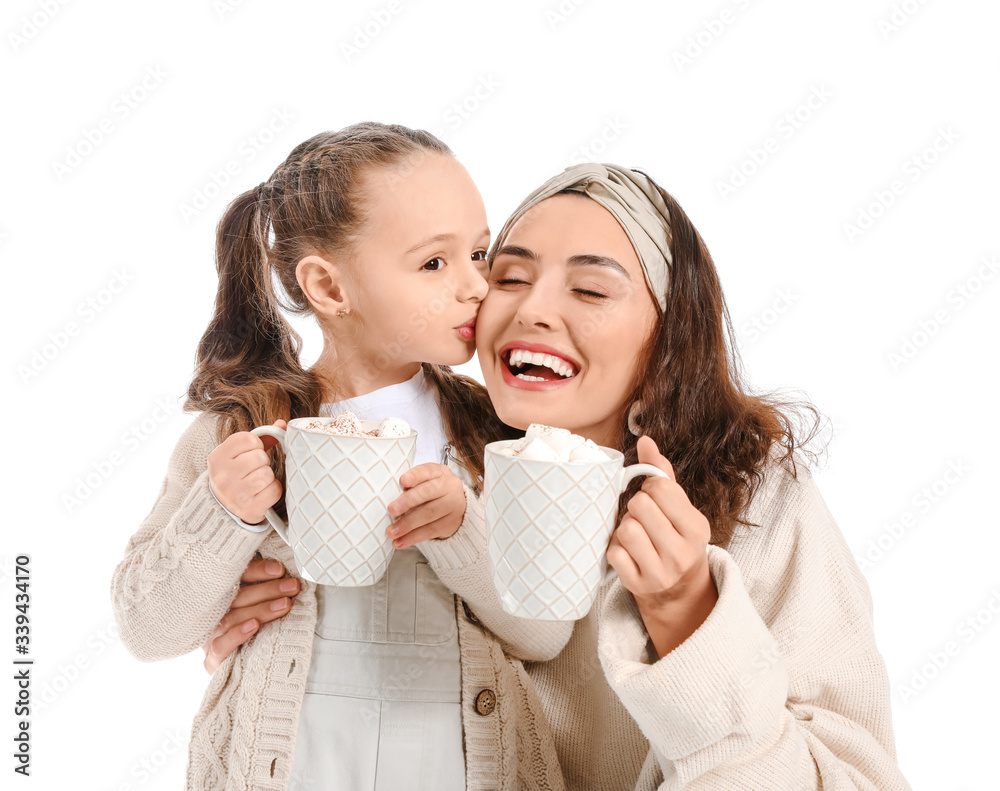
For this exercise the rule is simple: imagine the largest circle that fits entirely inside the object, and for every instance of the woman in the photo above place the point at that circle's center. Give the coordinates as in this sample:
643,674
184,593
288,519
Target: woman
736,649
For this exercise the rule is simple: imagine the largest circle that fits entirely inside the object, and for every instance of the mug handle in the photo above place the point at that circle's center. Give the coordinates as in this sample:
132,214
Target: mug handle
272,516
633,471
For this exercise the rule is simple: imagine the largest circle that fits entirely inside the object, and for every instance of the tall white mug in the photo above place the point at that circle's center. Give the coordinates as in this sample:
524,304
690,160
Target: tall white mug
337,493
548,526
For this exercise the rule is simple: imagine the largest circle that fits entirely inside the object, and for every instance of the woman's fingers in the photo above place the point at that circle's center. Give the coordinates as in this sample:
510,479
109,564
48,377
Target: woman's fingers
671,498
688,521
263,569
266,592
621,561
221,645
264,612
635,540
660,530
648,453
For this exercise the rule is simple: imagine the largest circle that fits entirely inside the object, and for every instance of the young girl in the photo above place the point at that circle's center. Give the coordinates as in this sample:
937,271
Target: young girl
380,234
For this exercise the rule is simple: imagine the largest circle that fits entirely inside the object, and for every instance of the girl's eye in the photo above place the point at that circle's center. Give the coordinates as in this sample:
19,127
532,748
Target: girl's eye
479,255
588,293
508,281
434,265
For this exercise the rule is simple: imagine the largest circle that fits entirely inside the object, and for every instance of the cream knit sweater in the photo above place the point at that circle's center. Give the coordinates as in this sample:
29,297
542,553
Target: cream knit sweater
781,688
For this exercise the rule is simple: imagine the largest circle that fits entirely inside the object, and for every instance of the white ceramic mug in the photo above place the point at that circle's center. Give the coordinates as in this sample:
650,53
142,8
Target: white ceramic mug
337,493
548,526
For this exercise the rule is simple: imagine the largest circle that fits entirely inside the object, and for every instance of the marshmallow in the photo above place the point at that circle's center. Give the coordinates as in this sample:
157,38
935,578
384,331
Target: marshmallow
538,450
393,427
561,440
546,443
588,451
346,424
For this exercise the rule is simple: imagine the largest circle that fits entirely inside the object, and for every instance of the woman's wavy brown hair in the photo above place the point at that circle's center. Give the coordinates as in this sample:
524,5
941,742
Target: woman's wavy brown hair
717,434
247,366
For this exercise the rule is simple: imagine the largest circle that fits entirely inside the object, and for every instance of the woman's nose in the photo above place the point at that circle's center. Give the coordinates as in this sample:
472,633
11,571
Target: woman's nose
536,309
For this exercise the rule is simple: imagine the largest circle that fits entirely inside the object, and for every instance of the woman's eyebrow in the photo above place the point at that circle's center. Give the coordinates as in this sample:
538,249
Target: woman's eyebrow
576,260
517,251
598,260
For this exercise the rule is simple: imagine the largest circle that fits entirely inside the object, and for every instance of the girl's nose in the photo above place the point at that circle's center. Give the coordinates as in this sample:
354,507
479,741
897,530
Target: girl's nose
472,286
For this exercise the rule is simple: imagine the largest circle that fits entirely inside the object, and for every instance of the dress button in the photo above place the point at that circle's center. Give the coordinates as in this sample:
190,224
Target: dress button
486,701
469,614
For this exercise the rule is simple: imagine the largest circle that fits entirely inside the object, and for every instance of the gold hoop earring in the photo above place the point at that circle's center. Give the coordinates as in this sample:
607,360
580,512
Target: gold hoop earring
343,312
634,416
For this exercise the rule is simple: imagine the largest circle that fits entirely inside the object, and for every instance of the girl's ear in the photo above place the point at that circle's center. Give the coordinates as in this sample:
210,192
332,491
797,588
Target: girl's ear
324,284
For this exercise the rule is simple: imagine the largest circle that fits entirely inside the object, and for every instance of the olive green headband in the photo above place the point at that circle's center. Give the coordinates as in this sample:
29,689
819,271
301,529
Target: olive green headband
633,200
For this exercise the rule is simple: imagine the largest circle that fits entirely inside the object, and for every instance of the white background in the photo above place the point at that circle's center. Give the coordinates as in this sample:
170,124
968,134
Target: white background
817,309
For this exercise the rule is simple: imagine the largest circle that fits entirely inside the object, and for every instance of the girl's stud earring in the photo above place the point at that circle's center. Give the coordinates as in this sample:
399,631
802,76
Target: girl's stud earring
634,416
343,312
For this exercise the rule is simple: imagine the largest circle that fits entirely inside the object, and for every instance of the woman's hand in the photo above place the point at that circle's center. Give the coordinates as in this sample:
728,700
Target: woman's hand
432,505
660,553
241,477
264,596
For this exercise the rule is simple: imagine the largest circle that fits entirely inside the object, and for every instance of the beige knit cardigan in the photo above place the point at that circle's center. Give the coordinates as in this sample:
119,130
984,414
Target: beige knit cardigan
782,687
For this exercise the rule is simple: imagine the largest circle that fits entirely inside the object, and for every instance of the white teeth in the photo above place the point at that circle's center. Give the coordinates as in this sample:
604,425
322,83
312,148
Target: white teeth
524,357
527,378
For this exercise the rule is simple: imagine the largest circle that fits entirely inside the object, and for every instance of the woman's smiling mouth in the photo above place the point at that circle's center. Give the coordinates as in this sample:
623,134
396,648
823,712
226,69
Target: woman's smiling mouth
535,367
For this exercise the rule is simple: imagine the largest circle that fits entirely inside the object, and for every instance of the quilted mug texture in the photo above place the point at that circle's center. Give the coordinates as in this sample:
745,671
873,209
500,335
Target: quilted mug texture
338,493
548,526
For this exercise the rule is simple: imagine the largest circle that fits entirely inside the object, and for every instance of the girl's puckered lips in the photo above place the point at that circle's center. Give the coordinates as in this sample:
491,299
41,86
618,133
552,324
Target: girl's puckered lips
467,331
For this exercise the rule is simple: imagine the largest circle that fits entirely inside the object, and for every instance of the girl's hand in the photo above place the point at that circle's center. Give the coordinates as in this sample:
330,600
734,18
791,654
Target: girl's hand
264,596
660,553
432,505
241,476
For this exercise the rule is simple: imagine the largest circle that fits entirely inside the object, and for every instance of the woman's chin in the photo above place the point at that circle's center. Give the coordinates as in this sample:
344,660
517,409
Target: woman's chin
516,416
